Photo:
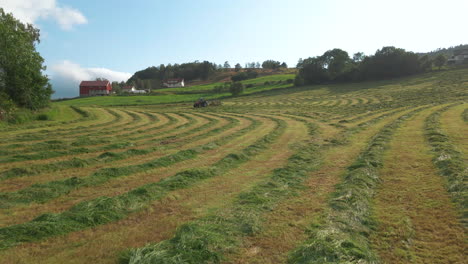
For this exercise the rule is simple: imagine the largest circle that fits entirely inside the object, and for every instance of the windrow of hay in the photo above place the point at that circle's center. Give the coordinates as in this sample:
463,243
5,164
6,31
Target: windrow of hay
107,209
343,235
47,191
206,240
449,161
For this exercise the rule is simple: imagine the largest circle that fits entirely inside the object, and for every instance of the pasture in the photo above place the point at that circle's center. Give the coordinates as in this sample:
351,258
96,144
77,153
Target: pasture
369,172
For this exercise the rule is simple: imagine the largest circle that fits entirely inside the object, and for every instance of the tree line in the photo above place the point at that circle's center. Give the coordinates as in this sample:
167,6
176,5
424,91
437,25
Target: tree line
337,66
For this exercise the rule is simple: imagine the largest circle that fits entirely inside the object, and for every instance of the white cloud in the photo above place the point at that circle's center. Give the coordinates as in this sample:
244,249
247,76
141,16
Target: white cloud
29,11
66,77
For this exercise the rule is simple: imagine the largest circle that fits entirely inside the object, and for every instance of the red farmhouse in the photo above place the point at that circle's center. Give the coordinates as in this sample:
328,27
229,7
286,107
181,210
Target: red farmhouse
93,88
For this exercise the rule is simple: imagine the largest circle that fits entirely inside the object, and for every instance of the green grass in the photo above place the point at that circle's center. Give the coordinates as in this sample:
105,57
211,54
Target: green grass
107,209
449,161
342,237
206,240
178,95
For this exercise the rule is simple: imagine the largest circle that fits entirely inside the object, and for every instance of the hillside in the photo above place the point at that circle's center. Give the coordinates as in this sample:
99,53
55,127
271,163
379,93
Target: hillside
371,172
447,52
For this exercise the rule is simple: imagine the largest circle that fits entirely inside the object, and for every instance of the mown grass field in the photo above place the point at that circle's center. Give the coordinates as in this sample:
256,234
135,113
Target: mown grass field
369,172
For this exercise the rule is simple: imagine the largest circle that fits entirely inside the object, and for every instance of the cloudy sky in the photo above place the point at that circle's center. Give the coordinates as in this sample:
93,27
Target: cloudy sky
82,40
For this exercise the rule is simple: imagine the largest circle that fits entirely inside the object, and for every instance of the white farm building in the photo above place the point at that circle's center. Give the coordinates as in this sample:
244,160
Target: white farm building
173,83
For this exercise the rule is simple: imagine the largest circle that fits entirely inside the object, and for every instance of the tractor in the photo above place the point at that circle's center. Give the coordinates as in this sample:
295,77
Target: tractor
200,103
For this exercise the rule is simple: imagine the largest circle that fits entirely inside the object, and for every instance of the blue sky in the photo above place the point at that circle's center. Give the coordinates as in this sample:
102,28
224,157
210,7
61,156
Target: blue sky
113,39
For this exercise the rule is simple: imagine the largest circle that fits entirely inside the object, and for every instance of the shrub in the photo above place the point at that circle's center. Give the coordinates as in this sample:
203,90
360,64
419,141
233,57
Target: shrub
236,88
266,83
6,106
250,85
43,117
289,81
298,81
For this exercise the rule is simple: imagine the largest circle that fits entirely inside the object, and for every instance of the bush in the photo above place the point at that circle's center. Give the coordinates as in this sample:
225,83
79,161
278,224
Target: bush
298,81
6,106
244,76
289,81
20,117
218,89
250,85
43,117
266,83
239,77
236,88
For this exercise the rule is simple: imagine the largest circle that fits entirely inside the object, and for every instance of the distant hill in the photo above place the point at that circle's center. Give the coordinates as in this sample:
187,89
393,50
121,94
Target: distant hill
448,52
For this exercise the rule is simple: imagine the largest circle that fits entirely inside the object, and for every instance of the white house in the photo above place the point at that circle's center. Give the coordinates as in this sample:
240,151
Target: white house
173,83
132,89
460,56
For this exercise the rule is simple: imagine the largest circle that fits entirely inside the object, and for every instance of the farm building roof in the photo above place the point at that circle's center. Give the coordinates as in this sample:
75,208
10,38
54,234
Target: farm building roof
94,83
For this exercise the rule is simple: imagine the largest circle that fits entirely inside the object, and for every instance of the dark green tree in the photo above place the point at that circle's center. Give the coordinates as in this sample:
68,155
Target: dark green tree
440,60
21,65
271,64
236,88
237,67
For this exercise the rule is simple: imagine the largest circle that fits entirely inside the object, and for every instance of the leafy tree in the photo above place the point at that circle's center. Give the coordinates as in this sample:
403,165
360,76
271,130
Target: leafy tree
236,88
226,65
283,65
358,57
440,60
237,67
257,65
300,63
116,87
426,63
336,61
271,64
21,65
313,70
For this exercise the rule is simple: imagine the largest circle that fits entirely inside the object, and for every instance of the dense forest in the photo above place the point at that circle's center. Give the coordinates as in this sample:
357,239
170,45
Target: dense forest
389,62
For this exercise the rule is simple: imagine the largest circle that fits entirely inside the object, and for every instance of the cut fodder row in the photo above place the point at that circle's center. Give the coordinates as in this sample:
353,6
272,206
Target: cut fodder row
449,160
95,138
416,222
118,185
289,222
343,235
106,157
451,122
57,149
108,116
160,219
188,138
208,239
79,114
229,139
108,209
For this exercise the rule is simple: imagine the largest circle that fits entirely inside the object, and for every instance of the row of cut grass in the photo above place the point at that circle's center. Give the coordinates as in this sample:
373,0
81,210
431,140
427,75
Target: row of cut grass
114,118
46,191
343,237
449,161
106,209
206,240
58,148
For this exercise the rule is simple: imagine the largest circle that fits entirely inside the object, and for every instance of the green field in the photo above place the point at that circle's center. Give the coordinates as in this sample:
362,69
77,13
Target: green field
370,172
184,94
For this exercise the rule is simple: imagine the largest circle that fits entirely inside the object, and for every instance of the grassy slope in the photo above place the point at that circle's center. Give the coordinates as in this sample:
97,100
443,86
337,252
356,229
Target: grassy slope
334,108
184,94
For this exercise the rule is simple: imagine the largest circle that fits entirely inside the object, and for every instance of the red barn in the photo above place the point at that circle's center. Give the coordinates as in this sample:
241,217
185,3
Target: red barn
93,88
